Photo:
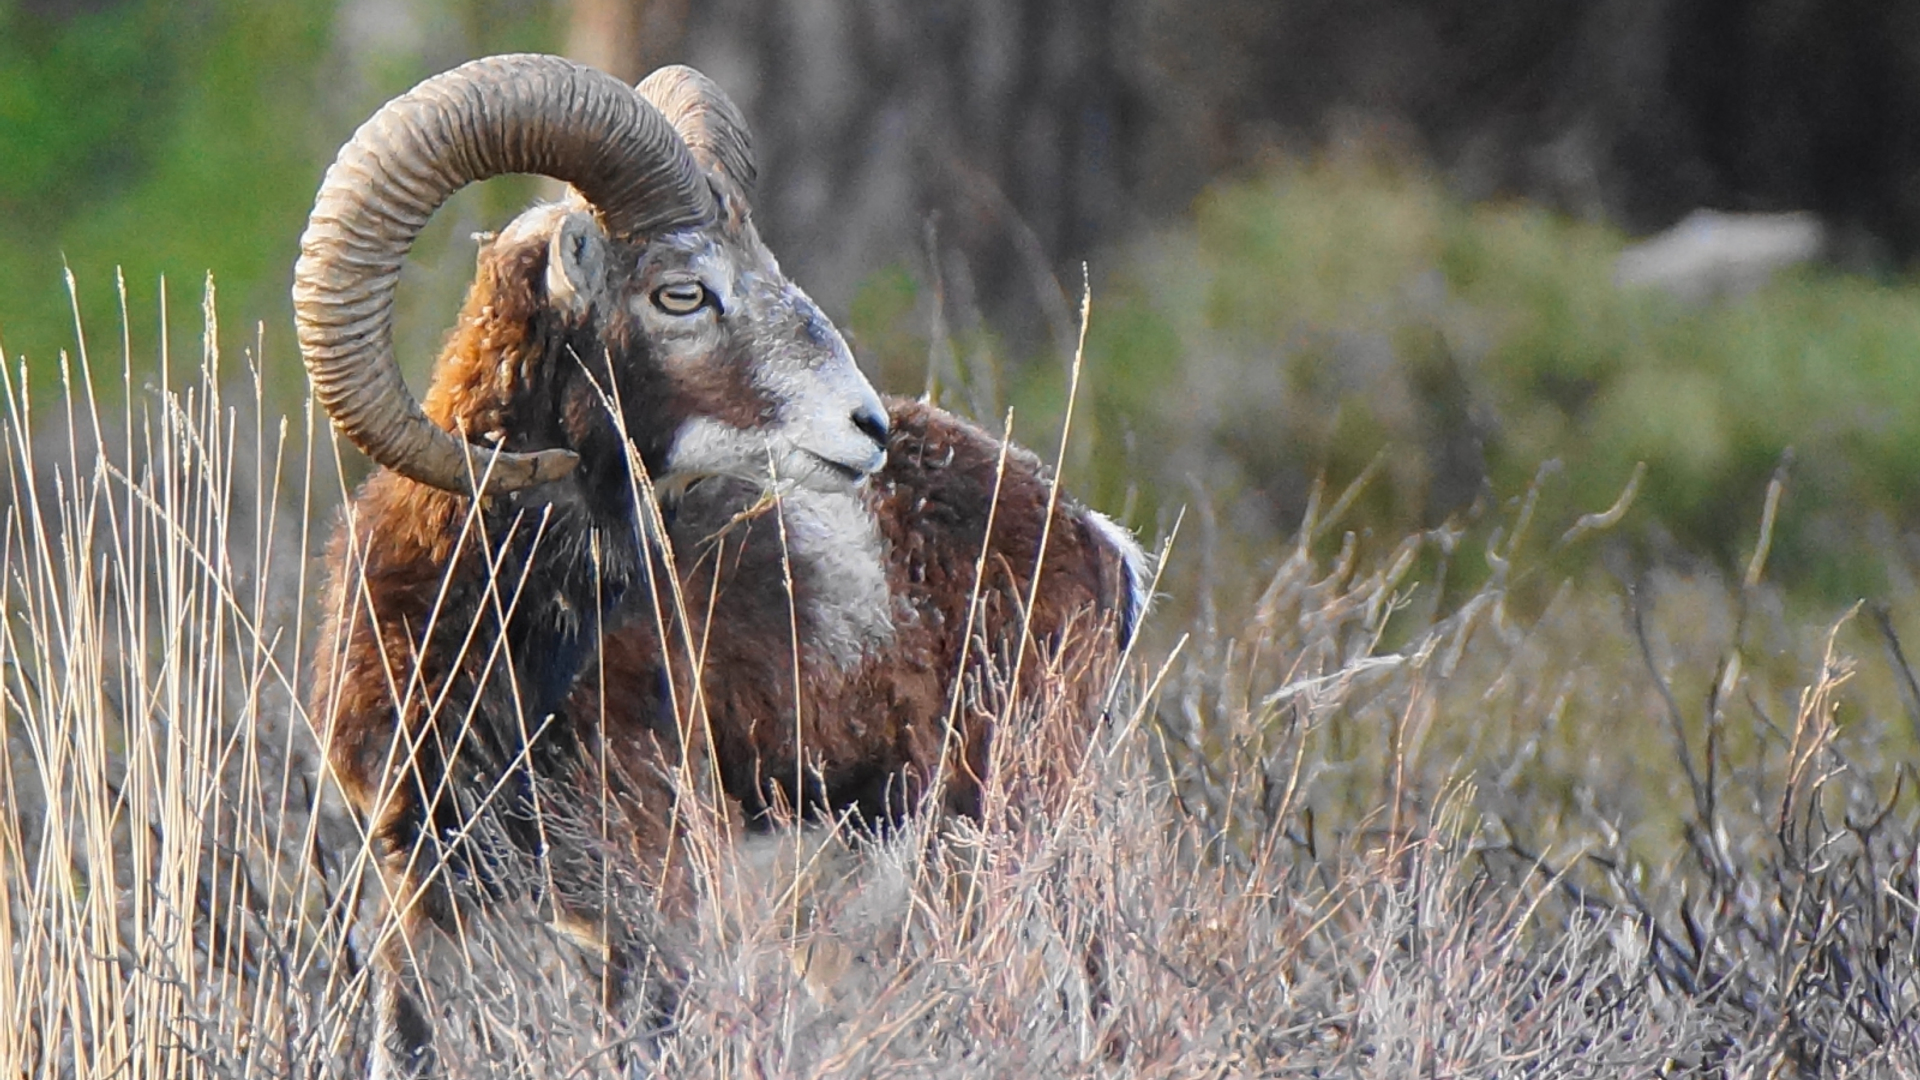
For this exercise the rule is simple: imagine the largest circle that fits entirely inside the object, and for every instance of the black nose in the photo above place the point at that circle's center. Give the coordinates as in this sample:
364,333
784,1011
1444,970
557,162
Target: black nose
873,424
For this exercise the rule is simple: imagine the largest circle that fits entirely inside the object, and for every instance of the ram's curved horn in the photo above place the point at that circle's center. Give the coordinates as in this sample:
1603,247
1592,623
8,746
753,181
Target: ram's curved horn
707,119
503,114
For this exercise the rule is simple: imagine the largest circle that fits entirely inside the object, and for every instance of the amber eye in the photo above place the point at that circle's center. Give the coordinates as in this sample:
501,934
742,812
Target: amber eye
681,298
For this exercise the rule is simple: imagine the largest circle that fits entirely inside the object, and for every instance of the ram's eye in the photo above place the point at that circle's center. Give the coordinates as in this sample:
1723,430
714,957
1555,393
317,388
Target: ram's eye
682,298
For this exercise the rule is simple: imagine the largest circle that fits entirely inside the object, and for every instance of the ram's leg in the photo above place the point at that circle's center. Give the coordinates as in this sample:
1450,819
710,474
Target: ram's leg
639,987
601,881
403,1048
403,1027
641,993
417,938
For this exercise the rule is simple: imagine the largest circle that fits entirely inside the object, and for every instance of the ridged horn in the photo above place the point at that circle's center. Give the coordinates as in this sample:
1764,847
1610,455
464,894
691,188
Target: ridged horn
503,114
707,120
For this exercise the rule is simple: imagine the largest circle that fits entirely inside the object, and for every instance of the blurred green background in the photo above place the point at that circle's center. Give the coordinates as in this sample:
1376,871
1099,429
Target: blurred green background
1295,279
172,140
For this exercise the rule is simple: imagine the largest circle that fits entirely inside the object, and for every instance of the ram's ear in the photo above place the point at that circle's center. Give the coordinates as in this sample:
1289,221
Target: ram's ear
576,264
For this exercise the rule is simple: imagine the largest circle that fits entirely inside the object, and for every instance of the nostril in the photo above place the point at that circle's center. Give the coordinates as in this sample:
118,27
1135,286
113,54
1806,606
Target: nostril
873,424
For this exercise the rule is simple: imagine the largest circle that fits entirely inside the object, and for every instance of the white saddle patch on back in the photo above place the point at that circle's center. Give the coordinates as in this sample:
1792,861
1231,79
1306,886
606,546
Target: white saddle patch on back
1134,563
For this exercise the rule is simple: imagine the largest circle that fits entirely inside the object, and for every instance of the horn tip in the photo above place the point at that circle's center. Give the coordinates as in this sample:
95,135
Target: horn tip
517,472
549,465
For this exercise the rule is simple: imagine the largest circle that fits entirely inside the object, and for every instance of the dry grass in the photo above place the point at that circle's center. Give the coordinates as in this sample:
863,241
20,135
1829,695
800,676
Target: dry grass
1335,829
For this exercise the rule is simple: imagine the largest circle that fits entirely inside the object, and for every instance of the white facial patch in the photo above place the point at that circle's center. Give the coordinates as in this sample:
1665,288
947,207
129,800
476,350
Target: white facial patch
817,414
1134,564
820,390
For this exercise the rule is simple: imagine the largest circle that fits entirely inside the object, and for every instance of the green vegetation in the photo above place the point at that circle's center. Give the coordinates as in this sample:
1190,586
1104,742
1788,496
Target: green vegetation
170,139
162,138
1344,311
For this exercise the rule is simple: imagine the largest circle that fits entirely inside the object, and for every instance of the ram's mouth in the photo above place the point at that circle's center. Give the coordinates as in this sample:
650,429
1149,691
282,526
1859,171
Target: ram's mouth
841,469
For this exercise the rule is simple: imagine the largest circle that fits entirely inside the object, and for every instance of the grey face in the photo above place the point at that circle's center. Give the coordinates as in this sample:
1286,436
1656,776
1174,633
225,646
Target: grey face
770,390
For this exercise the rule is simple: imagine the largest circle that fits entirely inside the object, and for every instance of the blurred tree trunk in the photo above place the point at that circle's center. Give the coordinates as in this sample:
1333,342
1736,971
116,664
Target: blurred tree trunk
625,38
997,124
605,34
